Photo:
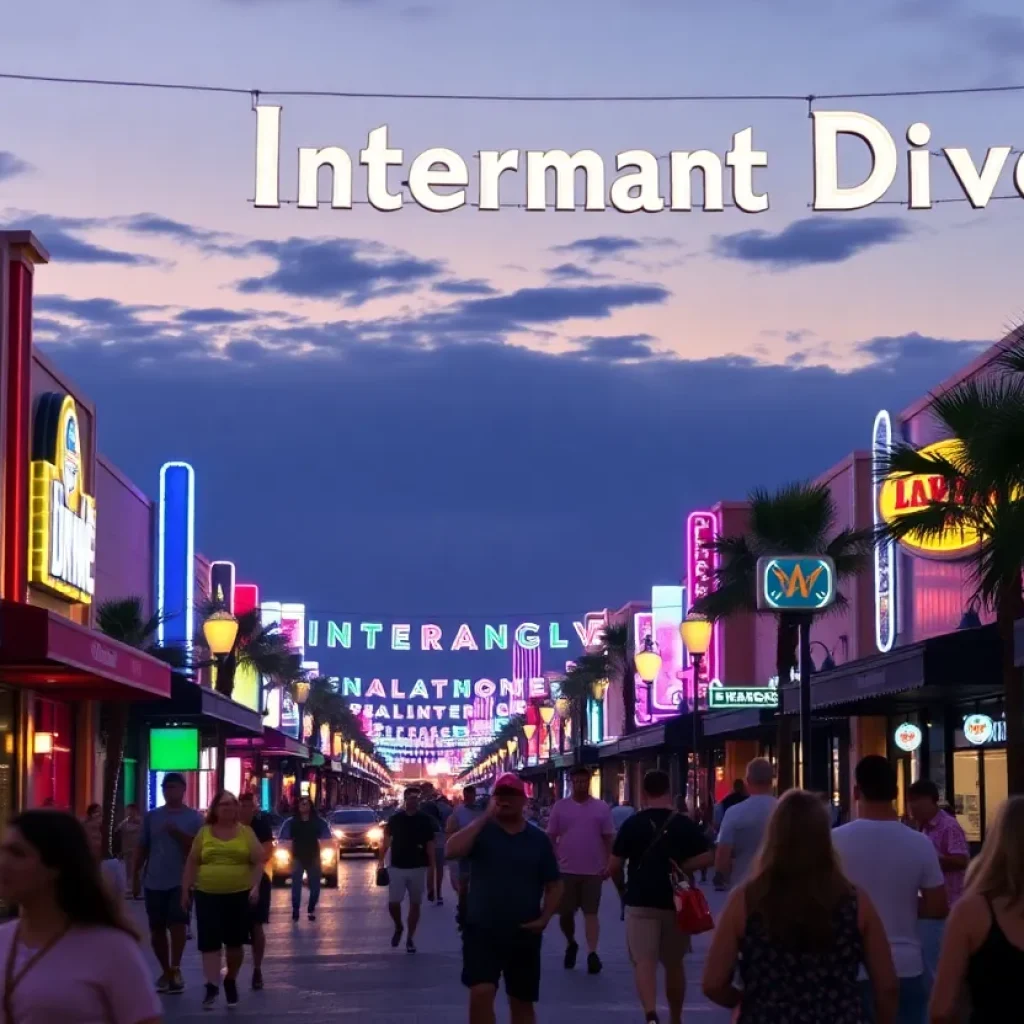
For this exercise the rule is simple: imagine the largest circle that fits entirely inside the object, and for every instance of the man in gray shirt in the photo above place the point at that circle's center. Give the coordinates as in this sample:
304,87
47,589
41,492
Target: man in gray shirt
463,815
744,824
166,839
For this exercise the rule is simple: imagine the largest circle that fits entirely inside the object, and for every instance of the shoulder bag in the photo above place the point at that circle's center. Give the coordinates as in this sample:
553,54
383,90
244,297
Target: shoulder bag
693,915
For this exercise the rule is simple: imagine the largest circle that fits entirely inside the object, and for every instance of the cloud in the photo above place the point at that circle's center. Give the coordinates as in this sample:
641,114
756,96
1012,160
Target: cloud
573,271
617,348
154,224
11,166
60,236
917,352
472,286
347,269
600,246
810,241
214,315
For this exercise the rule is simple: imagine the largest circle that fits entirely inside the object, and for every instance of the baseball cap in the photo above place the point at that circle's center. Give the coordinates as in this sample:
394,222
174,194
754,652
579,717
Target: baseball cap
173,779
510,781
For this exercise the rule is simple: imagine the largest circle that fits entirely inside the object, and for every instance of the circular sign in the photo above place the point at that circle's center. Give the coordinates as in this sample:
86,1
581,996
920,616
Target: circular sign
902,493
908,737
978,729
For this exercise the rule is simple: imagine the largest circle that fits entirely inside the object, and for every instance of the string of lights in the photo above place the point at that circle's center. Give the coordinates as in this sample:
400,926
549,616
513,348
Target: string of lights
349,94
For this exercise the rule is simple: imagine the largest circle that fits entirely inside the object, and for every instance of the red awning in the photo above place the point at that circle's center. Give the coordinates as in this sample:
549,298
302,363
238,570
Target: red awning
41,649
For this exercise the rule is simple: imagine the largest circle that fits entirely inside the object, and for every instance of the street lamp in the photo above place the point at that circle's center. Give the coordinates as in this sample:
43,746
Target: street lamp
695,631
647,661
302,691
547,713
564,708
598,688
220,631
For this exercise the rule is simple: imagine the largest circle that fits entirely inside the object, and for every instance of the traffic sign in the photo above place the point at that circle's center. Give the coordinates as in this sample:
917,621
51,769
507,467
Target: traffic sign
795,583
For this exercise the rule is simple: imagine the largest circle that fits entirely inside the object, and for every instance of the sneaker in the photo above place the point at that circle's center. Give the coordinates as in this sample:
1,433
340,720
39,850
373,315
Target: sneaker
570,956
177,982
257,979
410,946
312,915
231,991
210,998
163,983
295,915
593,963
397,937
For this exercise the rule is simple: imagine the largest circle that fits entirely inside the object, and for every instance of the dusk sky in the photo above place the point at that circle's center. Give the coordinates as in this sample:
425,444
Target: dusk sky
508,414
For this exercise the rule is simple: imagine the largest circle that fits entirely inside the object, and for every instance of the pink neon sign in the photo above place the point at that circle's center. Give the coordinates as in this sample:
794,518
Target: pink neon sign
701,532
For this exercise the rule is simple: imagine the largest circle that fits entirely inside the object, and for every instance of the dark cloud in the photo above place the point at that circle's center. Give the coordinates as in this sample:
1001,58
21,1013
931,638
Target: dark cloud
600,246
618,347
573,271
899,354
214,315
60,237
154,224
344,268
447,479
810,241
11,166
472,286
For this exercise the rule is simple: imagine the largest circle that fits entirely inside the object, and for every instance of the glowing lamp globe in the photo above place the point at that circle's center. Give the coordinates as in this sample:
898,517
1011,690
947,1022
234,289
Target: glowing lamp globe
220,631
302,692
529,730
696,632
599,687
648,664
546,713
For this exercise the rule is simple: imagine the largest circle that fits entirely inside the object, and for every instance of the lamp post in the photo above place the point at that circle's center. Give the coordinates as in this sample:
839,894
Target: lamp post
695,631
220,630
598,688
828,662
547,713
647,661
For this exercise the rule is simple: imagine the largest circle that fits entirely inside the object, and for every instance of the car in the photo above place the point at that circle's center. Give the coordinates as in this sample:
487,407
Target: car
357,830
281,861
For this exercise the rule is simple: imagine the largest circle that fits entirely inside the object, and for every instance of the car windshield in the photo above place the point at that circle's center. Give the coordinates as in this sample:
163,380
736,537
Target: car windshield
363,817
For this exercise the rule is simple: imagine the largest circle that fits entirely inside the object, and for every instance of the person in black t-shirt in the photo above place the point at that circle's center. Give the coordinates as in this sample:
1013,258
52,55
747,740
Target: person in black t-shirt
514,889
249,814
409,838
650,843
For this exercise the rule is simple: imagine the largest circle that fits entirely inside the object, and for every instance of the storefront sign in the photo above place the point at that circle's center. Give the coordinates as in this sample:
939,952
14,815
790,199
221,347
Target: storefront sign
884,551
981,729
665,696
62,541
734,698
907,737
795,583
901,494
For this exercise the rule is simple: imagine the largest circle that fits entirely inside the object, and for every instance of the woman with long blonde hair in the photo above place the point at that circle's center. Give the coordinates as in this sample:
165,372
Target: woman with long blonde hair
798,931
983,950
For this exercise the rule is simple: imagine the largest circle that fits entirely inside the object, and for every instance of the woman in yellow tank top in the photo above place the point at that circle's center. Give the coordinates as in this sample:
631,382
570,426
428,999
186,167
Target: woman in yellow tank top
225,866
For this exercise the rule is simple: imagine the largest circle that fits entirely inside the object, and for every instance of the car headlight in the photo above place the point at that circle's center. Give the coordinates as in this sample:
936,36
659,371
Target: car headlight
282,856
375,834
338,833
327,856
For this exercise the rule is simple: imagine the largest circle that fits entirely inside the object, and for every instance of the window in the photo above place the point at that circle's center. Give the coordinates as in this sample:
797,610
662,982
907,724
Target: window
967,792
996,788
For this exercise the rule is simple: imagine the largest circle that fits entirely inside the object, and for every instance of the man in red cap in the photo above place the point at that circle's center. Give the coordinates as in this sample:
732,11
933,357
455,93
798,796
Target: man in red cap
513,893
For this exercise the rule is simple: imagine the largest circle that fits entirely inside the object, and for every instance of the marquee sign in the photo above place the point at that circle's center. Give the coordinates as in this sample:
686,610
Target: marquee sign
403,636
902,493
62,536
734,698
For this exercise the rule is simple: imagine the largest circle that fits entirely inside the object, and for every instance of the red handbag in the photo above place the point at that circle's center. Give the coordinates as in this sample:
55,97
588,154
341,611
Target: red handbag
693,915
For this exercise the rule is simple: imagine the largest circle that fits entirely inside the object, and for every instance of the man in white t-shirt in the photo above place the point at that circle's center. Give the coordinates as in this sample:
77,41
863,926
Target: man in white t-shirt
744,824
899,869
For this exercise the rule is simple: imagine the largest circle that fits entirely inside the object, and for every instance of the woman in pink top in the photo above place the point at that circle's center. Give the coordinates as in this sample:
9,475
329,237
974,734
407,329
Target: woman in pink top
69,957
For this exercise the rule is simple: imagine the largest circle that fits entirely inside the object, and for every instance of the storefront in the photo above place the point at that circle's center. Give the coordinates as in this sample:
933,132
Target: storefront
272,766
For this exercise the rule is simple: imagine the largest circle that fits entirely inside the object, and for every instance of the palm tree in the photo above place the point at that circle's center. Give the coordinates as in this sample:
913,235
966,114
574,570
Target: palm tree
578,685
798,518
263,649
984,479
123,620
618,654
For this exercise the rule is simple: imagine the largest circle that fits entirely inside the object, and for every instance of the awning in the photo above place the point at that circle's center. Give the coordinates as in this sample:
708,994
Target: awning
964,665
191,702
719,723
47,652
271,743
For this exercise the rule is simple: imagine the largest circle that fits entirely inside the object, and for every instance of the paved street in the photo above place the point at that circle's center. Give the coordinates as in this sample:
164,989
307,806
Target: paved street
342,967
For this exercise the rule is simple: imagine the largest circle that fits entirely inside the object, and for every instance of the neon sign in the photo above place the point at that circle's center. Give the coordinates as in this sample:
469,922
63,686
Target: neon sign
736,697
981,729
885,552
666,615
908,737
62,537
795,583
901,494
701,533
400,636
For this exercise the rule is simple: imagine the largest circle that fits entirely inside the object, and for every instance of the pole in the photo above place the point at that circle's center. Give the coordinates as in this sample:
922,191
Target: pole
806,760
697,659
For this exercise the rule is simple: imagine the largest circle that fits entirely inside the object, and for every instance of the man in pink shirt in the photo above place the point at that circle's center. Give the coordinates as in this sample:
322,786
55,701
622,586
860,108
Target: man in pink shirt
582,830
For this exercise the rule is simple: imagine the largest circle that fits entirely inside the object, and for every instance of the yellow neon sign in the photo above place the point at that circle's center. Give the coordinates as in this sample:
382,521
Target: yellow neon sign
62,531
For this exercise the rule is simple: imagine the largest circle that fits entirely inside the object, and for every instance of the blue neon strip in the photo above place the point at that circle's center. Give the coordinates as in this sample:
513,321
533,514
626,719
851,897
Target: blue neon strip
176,556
